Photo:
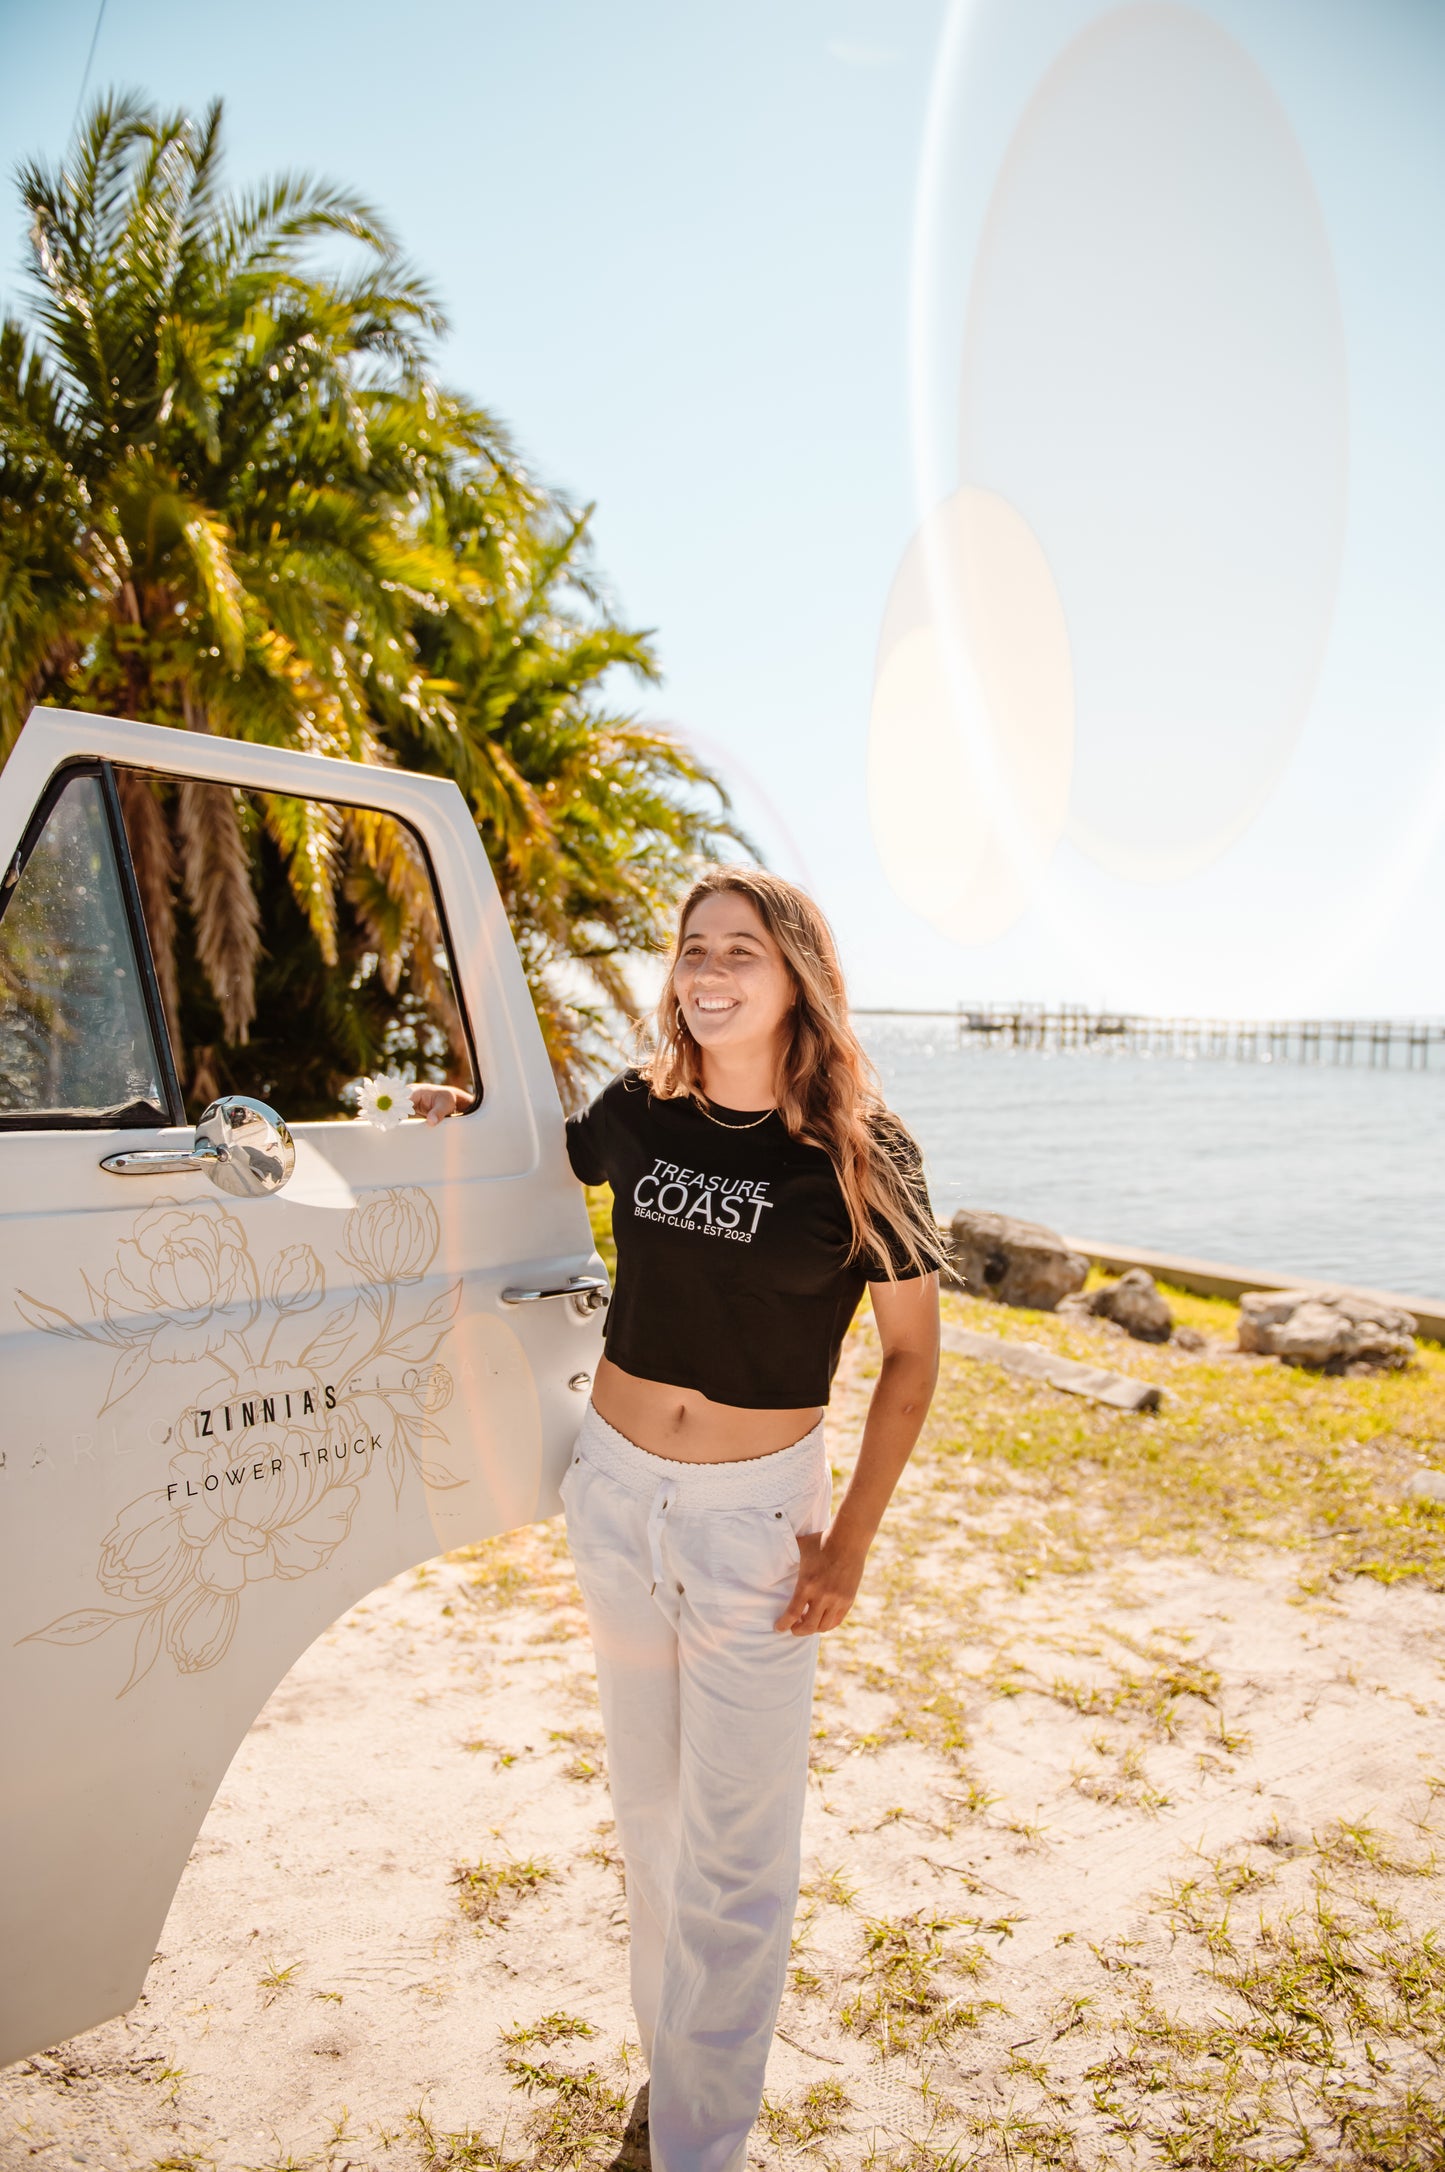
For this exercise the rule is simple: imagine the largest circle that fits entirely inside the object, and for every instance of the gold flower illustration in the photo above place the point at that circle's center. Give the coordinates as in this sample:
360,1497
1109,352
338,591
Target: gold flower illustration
393,1236
182,1282
199,1630
144,1556
245,1529
295,1281
276,1500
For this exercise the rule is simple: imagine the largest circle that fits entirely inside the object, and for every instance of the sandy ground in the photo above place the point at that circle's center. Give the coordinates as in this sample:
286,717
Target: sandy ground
321,1995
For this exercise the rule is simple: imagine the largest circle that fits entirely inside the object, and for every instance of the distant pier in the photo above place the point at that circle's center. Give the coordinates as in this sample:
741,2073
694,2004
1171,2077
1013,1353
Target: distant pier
1376,1041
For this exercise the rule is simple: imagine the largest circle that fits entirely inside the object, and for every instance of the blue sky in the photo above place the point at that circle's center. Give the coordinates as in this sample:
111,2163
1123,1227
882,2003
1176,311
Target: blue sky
676,246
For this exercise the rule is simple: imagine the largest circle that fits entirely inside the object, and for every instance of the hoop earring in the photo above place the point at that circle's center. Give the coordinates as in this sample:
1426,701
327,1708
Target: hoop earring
681,1021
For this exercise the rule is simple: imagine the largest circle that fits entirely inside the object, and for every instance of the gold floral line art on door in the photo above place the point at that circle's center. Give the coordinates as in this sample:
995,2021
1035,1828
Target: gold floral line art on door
287,1423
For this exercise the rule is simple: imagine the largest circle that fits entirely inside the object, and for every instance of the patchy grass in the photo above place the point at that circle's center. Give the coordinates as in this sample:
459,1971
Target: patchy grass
488,1892
276,1980
808,2116
1244,1451
580,2115
905,1993
1322,2036
467,2150
548,2029
588,1761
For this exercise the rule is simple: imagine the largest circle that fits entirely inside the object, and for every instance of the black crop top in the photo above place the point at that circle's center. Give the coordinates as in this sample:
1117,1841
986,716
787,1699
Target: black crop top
733,1275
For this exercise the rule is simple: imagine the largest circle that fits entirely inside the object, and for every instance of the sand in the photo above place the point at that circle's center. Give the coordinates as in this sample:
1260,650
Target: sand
322,1997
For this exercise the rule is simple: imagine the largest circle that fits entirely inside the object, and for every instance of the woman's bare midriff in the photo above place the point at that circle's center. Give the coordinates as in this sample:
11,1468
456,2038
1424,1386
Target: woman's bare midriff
688,1427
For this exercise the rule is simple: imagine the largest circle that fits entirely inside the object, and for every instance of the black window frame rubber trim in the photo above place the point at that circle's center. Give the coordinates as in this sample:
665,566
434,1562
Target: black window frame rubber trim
136,1115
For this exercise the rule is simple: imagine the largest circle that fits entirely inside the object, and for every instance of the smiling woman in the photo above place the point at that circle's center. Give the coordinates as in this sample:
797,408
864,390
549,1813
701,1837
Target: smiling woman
759,1187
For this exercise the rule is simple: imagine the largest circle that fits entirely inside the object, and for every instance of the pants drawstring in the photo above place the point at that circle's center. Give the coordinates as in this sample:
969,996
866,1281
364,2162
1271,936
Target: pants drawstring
654,1531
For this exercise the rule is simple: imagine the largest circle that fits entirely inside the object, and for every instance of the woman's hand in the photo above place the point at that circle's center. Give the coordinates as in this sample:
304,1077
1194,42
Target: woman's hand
436,1102
828,1578
831,1568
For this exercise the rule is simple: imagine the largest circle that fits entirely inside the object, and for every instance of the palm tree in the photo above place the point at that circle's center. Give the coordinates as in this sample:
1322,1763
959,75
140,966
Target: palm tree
234,498
594,820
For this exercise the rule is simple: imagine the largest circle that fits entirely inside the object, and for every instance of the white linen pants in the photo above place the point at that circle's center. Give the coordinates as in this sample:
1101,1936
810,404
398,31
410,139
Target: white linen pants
684,1568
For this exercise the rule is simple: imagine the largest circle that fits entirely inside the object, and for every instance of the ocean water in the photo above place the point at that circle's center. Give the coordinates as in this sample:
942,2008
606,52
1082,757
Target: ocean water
1309,1169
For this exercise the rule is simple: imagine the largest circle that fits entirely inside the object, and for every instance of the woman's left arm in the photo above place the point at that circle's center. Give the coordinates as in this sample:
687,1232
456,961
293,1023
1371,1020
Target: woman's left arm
832,1562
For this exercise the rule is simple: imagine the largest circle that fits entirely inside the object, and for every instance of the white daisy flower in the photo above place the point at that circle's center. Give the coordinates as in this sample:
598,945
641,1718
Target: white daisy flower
384,1101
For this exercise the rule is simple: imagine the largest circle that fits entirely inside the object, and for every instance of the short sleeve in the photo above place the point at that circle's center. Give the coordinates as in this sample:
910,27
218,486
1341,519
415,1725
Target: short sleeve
903,1152
587,1142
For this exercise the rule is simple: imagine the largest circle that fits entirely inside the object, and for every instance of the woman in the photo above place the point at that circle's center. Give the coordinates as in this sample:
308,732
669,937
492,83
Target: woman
758,1184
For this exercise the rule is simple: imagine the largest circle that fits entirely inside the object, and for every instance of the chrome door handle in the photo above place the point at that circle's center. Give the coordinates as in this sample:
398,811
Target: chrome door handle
149,1161
589,1292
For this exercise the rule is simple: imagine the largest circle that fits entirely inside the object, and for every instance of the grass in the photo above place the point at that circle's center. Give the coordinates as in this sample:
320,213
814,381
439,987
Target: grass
1323,2040
808,2116
588,1763
276,1980
906,1994
1243,1452
579,2117
548,2029
488,1892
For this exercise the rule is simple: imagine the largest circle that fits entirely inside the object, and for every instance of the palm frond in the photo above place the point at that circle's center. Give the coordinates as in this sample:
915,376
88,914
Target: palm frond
154,858
216,871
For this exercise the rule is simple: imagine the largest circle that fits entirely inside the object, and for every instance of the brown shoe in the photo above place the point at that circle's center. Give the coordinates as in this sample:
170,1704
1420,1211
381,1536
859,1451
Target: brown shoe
635,2152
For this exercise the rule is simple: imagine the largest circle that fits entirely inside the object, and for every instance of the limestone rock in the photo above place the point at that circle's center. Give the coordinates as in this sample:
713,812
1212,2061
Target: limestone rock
1325,1329
1190,1338
1132,1304
1427,1486
1015,1263
1135,1304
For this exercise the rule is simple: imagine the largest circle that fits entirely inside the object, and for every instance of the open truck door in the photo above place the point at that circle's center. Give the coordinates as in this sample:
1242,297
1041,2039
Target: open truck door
252,1366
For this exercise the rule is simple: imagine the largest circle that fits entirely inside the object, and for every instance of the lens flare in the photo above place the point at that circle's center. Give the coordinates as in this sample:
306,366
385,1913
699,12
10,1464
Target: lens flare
971,733
1133,395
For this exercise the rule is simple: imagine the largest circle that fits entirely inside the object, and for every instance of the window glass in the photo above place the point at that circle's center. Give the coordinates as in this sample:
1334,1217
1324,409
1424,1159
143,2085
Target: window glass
299,944
75,1041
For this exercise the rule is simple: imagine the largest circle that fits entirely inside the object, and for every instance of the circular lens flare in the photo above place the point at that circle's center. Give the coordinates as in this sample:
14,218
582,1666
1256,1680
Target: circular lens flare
971,733
1148,350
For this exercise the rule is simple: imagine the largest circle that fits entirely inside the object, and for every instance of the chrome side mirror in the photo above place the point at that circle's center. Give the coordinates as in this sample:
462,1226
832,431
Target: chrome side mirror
243,1146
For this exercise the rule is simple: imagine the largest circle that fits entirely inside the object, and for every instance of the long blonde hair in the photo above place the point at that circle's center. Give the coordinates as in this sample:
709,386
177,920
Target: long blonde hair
828,1093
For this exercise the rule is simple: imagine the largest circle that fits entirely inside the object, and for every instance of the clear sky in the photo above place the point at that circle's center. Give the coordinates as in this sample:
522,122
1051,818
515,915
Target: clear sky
714,266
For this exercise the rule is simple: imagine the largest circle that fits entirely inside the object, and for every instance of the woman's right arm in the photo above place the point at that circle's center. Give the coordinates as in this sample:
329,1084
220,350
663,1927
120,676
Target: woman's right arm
437,1102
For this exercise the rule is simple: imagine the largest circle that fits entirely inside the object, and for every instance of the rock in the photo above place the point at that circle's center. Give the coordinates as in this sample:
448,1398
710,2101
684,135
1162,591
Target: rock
1189,1338
1015,1263
1325,1329
1134,1303
1030,1362
1426,1486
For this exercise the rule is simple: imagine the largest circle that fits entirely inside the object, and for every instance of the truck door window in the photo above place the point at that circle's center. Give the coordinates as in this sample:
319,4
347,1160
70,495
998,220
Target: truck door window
300,945
76,1043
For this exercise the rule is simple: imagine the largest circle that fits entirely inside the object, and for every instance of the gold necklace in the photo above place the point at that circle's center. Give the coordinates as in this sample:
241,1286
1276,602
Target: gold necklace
707,1112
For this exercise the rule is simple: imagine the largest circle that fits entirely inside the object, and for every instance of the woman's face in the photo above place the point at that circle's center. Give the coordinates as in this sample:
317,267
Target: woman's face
734,989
